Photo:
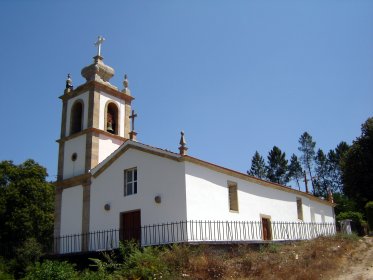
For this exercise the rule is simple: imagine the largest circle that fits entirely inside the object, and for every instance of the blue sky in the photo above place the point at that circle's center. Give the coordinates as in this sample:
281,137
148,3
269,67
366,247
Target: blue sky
237,76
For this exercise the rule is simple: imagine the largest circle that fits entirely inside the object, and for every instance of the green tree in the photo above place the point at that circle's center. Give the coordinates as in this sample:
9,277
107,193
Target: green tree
335,158
369,214
26,208
295,171
357,167
307,148
277,166
344,204
258,167
322,180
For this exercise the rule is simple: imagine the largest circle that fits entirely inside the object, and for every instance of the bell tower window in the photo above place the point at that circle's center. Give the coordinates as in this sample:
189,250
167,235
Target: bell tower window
111,123
76,117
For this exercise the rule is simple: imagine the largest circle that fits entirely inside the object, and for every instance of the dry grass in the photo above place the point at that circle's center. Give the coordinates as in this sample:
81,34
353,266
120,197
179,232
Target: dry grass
315,259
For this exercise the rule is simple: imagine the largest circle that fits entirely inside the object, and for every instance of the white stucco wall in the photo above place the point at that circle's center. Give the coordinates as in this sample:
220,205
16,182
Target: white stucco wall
104,98
207,199
70,103
71,210
72,168
322,213
156,176
107,146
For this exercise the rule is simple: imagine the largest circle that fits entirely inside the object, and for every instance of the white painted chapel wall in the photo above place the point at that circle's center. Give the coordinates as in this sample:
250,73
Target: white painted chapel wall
156,176
73,168
321,213
107,146
71,210
208,199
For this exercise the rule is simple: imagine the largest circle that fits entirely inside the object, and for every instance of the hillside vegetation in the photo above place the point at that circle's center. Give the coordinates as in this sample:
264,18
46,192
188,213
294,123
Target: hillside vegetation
321,258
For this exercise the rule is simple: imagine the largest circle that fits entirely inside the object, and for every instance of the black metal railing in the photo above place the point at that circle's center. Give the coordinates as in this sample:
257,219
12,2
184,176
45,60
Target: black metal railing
192,232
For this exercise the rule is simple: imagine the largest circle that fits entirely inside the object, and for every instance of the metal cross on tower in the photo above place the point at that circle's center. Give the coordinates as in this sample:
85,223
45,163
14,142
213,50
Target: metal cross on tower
132,117
98,44
133,132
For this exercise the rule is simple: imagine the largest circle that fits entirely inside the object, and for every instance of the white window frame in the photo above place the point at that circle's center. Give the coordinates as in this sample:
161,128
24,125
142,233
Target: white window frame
130,187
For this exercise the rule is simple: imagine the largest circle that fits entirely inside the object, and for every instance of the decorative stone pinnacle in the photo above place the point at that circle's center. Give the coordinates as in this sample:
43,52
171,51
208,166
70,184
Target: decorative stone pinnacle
125,85
183,149
98,44
69,85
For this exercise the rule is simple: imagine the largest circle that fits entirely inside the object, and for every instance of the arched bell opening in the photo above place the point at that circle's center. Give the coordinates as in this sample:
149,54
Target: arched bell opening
76,117
111,118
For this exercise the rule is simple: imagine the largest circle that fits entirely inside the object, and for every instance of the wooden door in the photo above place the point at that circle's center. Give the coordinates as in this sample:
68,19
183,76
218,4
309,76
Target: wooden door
266,228
130,226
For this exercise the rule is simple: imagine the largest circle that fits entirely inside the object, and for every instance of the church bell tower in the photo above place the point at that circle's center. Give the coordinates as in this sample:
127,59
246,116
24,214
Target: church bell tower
95,119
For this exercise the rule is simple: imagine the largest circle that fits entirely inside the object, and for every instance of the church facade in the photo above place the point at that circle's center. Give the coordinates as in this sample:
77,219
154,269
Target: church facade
109,181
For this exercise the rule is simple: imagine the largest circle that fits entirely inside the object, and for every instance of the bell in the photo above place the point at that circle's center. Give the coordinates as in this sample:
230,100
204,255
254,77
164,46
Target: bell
110,128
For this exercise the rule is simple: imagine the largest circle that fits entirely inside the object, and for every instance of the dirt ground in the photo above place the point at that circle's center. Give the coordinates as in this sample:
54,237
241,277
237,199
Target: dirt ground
358,265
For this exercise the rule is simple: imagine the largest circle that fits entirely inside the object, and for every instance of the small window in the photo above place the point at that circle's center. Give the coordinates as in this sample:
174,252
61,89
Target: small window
299,208
130,181
233,198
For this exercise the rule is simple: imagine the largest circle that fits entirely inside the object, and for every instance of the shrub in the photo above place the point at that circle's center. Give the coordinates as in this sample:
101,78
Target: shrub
178,257
144,264
357,219
369,212
52,270
4,273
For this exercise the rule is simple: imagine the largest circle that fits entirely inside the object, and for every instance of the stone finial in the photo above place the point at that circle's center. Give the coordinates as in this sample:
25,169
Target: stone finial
125,82
69,83
125,85
183,148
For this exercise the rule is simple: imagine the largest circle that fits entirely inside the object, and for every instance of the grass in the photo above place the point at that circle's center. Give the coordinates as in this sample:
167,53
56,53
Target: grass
314,259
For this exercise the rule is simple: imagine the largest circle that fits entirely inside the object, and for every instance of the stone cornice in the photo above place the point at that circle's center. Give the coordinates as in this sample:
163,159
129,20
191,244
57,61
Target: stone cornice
95,131
97,86
84,179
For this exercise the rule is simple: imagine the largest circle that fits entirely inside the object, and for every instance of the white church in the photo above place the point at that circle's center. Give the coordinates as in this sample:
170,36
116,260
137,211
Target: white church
111,187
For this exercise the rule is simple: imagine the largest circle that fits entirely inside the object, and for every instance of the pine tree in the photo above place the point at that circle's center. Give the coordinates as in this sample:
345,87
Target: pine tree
258,167
307,147
357,167
295,171
322,181
335,158
277,166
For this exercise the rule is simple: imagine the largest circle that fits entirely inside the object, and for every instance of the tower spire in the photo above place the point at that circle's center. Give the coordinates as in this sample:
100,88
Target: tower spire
98,71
